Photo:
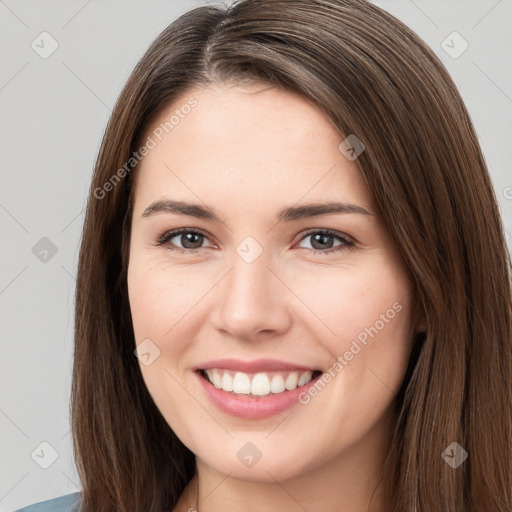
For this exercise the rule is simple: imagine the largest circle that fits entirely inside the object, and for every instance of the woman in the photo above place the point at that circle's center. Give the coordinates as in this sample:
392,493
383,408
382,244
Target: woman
293,289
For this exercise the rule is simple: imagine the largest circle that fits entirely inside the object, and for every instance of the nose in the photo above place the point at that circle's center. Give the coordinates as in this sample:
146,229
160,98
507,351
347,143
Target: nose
253,302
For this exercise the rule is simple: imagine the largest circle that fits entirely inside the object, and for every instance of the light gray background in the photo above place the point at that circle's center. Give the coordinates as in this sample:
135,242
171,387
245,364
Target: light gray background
53,114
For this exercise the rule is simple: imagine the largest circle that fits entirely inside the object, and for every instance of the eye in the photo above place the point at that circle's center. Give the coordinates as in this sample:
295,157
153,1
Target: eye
322,241
190,239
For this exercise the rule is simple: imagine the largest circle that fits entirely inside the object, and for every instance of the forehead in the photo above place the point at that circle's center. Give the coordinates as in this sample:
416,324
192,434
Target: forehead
253,142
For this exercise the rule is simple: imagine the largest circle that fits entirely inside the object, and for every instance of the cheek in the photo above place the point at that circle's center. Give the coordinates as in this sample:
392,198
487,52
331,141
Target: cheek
161,300
368,339
363,319
346,300
161,303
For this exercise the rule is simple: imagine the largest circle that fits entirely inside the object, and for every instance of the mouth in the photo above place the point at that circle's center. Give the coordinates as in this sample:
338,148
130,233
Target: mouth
257,384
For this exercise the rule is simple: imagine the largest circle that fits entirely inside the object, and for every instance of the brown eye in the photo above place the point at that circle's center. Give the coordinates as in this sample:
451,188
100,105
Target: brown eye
191,240
322,241
183,239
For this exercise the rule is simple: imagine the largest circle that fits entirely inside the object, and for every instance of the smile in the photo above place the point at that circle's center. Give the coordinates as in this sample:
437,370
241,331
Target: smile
258,384
254,390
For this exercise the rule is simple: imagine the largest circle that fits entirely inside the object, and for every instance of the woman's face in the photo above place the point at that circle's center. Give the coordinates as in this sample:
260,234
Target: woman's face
264,300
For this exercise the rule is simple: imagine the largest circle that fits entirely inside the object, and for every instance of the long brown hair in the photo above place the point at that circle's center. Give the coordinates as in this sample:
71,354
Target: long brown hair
376,79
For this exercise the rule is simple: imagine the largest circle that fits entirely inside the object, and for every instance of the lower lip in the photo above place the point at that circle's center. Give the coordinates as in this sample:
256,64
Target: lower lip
252,407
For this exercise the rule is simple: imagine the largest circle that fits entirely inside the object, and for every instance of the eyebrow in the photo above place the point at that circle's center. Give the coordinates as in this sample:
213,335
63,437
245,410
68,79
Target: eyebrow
288,214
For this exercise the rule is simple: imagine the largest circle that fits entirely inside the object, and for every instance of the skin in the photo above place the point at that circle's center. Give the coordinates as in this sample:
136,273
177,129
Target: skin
248,152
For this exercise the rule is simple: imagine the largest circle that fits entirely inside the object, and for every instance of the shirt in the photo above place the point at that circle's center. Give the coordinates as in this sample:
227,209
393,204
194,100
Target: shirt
66,503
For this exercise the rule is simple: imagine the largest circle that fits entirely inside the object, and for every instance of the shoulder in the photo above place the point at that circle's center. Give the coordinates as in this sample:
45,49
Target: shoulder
66,503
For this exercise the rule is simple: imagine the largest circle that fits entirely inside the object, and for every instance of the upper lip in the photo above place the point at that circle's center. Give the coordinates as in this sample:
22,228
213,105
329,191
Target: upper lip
255,366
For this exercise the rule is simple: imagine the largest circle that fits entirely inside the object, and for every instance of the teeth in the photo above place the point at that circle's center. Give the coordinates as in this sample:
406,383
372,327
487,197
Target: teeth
259,384
277,384
241,383
291,381
227,382
304,378
215,379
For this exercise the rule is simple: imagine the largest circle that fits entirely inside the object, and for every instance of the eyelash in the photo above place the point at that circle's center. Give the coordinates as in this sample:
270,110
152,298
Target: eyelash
347,242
